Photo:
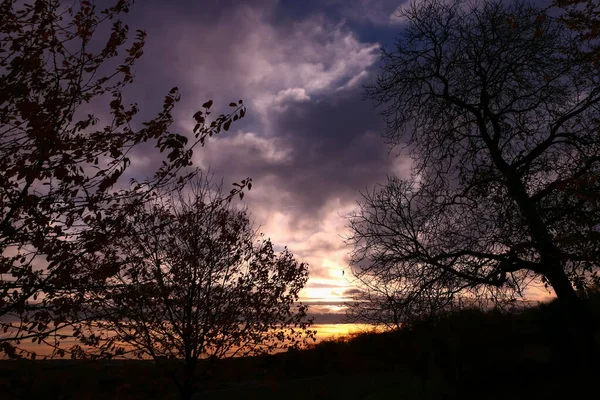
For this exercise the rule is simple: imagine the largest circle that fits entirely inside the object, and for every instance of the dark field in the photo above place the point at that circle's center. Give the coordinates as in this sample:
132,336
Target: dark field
470,354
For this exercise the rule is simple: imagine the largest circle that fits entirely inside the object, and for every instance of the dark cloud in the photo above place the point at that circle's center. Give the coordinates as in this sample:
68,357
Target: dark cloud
309,141
373,12
327,318
205,12
351,292
337,149
334,151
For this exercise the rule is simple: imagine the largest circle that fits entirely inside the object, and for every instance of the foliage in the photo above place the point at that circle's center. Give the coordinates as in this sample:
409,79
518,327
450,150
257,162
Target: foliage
62,194
502,125
583,16
196,282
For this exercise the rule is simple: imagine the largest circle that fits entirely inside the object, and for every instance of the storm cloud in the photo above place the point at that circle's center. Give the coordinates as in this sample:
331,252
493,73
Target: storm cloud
309,141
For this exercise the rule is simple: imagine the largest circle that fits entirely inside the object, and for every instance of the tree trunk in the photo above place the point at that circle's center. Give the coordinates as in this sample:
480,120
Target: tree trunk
566,294
188,387
577,330
186,391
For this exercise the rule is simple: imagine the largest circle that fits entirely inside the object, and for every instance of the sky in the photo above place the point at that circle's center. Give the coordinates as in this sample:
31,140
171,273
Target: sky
310,142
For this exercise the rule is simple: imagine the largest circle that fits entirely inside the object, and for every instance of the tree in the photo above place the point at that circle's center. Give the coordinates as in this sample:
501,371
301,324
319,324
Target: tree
583,17
197,283
502,125
62,194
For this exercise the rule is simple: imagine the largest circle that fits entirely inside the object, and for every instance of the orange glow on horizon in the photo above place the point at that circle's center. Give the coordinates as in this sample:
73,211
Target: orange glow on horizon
337,331
324,332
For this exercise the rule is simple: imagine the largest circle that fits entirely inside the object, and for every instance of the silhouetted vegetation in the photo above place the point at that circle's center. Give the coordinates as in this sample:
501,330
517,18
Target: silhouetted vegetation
197,281
465,354
64,189
498,105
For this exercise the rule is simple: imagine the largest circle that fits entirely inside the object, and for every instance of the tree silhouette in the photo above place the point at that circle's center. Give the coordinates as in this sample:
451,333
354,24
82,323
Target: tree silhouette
502,125
62,195
583,17
197,282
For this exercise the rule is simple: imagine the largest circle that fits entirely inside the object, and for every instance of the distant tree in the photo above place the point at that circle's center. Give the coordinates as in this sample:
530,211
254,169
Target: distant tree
502,126
197,283
61,192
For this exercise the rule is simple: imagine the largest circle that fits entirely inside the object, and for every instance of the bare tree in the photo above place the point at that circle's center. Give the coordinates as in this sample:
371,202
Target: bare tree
502,125
197,282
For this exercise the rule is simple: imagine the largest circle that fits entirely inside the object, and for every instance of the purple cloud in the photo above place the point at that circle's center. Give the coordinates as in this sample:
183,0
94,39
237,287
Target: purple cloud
309,141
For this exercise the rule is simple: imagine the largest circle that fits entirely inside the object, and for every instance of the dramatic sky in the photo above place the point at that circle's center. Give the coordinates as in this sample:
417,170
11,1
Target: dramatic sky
309,141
